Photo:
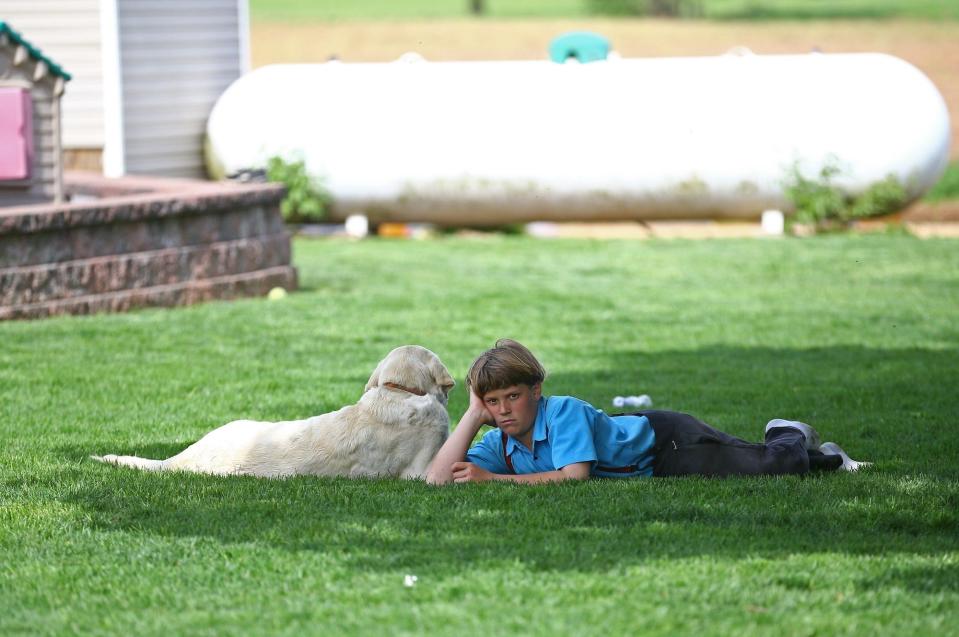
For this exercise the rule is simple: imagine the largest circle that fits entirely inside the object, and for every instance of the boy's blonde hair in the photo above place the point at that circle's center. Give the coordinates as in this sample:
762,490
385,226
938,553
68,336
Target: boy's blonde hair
508,363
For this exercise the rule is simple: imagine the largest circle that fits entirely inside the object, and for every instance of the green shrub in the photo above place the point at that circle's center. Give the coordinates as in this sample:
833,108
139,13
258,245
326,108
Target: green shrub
815,200
881,198
306,199
948,185
822,205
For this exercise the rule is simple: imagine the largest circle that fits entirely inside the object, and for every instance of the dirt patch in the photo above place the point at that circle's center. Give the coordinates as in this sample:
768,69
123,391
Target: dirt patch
932,212
932,47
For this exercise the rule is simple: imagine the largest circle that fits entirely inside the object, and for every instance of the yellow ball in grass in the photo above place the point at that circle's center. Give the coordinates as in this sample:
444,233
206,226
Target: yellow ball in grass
276,294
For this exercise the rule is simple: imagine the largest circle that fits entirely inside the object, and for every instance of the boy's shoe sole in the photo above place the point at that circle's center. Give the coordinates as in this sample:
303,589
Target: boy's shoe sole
848,464
811,435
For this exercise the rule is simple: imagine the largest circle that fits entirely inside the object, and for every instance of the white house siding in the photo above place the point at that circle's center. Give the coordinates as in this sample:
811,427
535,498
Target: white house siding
176,58
68,32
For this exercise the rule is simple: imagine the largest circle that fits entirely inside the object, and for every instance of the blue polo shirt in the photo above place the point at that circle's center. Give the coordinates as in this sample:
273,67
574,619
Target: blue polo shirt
569,430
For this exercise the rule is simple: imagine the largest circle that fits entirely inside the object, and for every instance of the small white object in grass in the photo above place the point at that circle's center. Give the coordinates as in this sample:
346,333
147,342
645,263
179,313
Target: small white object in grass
773,222
421,230
357,226
410,57
633,401
276,294
410,581
544,229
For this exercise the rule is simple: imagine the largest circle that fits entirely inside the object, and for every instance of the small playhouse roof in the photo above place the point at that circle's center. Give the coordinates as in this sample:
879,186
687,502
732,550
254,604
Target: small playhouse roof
36,53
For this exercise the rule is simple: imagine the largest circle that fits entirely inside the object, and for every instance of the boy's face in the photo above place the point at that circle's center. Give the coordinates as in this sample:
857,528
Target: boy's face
514,409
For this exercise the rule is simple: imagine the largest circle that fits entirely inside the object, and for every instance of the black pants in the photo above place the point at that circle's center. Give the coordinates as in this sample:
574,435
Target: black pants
687,446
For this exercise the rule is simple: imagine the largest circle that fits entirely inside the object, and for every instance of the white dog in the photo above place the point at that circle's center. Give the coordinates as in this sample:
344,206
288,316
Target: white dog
395,430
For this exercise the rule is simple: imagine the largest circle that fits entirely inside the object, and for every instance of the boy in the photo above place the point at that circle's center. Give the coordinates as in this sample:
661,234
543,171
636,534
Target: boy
540,439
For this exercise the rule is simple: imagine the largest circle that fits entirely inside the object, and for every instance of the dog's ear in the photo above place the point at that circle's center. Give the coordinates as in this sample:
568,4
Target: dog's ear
374,380
441,375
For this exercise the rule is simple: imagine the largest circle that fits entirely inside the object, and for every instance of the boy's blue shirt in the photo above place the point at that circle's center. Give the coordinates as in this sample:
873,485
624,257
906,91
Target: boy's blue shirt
569,430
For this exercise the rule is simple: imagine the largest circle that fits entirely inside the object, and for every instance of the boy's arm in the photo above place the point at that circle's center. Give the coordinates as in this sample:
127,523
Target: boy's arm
455,448
469,472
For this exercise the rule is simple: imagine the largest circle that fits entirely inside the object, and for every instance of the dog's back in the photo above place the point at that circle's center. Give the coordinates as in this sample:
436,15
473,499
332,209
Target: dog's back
247,447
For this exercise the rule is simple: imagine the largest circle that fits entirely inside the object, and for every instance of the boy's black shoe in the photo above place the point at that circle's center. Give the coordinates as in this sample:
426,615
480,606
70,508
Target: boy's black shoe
819,461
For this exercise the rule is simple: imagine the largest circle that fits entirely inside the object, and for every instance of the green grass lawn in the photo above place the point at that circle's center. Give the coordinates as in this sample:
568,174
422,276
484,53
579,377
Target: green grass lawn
711,9
857,335
947,188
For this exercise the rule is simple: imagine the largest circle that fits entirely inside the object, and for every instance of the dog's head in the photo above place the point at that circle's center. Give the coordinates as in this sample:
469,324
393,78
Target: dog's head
413,368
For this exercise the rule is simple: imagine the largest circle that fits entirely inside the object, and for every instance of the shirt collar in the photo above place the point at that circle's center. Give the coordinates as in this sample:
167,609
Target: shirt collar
540,431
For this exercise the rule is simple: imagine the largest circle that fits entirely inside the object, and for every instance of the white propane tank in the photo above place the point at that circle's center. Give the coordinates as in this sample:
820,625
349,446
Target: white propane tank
505,142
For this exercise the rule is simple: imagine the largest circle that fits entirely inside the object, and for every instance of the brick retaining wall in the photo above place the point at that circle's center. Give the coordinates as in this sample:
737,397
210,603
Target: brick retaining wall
139,242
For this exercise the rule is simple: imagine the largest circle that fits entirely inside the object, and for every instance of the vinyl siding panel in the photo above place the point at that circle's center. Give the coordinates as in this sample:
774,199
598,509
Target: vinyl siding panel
166,130
68,32
176,58
167,148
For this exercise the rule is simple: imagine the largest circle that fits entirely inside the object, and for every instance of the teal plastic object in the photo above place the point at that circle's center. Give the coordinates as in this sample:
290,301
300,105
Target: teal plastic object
584,46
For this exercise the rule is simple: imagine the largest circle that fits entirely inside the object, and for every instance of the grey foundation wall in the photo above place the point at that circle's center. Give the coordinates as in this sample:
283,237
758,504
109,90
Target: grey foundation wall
139,242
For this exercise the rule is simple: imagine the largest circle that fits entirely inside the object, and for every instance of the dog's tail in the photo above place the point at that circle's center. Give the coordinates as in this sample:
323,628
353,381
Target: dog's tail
131,461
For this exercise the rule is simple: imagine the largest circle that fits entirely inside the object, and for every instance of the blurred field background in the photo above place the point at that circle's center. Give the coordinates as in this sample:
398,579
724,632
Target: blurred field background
924,32
709,9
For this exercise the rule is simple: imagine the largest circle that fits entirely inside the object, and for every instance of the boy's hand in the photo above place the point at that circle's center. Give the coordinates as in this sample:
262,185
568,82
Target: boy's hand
454,450
469,472
478,407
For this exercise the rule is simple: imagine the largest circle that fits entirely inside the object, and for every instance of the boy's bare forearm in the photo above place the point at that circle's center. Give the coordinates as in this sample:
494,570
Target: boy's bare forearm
575,471
454,449
469,472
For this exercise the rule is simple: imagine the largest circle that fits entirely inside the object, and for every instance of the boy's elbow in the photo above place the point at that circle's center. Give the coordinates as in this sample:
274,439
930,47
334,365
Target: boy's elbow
436,479
576,471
